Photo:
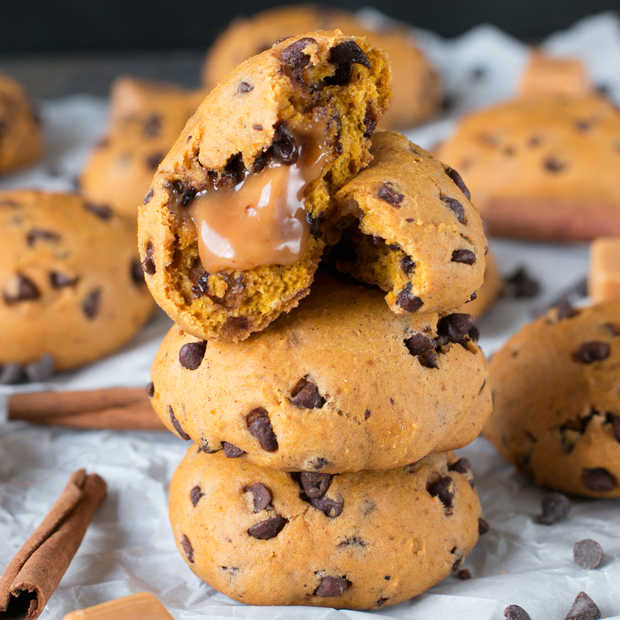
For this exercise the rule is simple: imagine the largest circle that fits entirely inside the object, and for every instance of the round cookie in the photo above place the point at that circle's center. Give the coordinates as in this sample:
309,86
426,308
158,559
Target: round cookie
71,286
146,119
557,406
542,168
21,137
361,541
490,290
417,92
231,231
339,384
415,234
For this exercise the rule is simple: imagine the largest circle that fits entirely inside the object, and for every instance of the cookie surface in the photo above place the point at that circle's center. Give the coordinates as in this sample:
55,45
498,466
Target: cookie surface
416,85
542,168
328,387
361,541
70,280
557,407
490,290
416,234
145,120
230,233
21,137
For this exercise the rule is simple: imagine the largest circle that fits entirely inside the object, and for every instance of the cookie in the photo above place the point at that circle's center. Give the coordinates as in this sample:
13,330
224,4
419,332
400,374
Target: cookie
21,136
232,229
71,284
488,293
417,92
415,233
361,541
145,120
329,386
542,168
557,406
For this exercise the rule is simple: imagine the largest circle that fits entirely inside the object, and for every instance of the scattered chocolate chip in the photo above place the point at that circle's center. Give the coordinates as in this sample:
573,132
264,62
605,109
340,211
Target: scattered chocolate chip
463,574
614,420
231,451
11,373
332,586
260,427
235,324
463,256
187,548
520,284
184,193
388,192
407,301
455,206
177,425
598,479
563,301
588,553
148,196
264,530
148,264
195,494
150,389
553,164
332,508
352,541
370,121
102,211
565,310
261,495
583,608
458,180
555,507
407,264
418,343
306,395
457,327
344,56
21,288
593,351
443,488
462,466
90,304
136,272
41,369
284,147
244,87
483,526
514,612
191,354
38,234
152,126
381,601
318,462
257,127
314,484
294,60
60,280
153,160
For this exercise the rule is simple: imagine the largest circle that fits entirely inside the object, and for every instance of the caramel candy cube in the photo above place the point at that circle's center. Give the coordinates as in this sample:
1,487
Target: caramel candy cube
604,277
546,75
133,607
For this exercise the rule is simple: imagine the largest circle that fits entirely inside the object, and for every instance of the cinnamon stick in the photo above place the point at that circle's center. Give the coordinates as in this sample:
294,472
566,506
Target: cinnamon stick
118,408
37,568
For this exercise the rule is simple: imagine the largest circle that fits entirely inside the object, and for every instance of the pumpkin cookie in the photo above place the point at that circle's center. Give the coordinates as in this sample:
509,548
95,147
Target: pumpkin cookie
487,294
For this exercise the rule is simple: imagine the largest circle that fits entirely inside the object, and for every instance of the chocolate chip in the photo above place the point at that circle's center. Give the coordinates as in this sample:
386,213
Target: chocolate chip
306,395
370,121
191,354
553,164
463,256
332,508
455,206
443,488
186,193
332,586
462,466
318,462
583,608
352,541
261,495
565,310
152,126
90,304
177,425
598,479
148,196
264,530
483,526
514,612
38,234
244,87
457,327
187,548
150,389
614,420
584,125
407,301
60,280
259,426
418,343
593,351
555,507
21,288
11,373
588,553
195,494
407,264
458,180
293,58
344,56
41,369
314,484
284,147
102,211
521,285
148,264
136,272
463,574
153,160
388,192
231,451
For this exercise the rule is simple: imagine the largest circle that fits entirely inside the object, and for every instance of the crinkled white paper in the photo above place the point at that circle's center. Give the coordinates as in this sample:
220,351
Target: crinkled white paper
129,548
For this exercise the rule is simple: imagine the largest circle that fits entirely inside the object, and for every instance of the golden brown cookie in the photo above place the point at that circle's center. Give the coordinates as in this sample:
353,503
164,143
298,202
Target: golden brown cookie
21,137
145,120
416,85
415,233
339,384
232,230
542,168
361,541
557,406
490,290
71,285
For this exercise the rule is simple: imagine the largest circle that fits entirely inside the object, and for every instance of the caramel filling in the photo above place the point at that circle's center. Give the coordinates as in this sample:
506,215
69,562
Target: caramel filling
261,220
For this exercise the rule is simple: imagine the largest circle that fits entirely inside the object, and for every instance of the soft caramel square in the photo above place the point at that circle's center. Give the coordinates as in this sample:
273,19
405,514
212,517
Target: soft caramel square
133,607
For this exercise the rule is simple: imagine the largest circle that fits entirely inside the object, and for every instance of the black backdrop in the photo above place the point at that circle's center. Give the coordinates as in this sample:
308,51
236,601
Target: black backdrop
97,25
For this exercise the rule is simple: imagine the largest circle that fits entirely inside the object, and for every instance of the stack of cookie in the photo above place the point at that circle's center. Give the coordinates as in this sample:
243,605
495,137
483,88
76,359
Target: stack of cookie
320,470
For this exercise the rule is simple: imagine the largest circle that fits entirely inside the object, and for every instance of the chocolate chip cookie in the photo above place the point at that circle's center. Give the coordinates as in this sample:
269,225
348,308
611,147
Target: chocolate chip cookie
146,119
542,168
339,384
487,294
71,284
235,223
557,406
417,88
362,541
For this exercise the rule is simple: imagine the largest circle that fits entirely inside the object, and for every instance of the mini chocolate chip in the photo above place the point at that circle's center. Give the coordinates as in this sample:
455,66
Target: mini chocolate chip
520,284
136,272
344,56
407,264
306,395
195,494
332,586
458,180
153,160
514,612
60,280
41,369
244,87
381,601
150,389
90,304
191,354
38,234
152,126
257,127
583,608
148,264
231,451
186,193
352,541
565,310
463,256
462,466
332,508
261,495
457,327
102,211
284,147
553,164
614,420
555,507
588,553
24,289
148,196
264,530
443,488
389,193
293,58
314,484
455,206
418,344
463,574
593,351
612,328
599,479
177,425
370,121
429,359
187,548
407,301
259,425
11,373
483,526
